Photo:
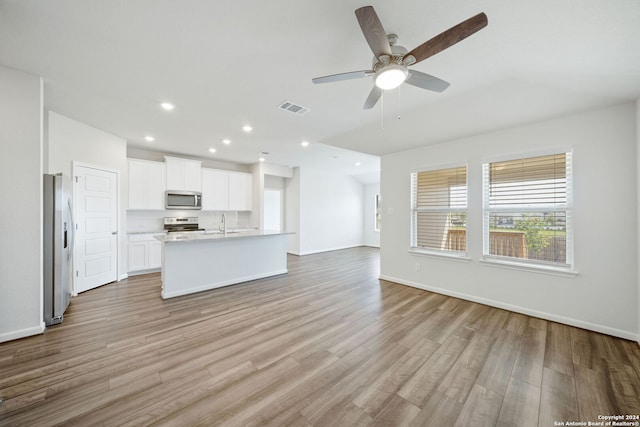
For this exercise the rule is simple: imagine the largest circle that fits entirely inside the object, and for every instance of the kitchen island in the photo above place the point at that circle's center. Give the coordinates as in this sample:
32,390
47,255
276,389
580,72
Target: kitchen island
195,262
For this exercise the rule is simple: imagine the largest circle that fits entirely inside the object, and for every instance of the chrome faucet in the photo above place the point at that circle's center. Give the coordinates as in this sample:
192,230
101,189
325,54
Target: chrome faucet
223,227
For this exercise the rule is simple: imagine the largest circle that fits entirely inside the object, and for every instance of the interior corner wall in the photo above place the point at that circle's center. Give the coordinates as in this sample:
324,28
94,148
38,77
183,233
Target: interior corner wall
263,174
604,295
21,189
331,206
256,217
69,141
371,236
292,211
638,213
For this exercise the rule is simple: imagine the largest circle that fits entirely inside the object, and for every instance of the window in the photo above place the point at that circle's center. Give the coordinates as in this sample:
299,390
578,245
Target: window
377,213
439,211
527,210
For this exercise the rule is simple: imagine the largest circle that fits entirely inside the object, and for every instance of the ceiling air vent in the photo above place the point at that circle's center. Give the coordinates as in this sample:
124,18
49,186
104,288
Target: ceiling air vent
298,110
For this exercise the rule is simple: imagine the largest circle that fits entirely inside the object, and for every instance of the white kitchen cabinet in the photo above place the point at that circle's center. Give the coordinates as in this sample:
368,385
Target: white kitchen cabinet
183,174
154,254
137,256
215,190
146,185
145,253
240,191
226,191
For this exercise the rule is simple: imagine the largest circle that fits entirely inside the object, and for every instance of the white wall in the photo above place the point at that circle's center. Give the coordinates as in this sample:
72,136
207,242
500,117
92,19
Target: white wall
158,156
292,211
263,175
370,236
604,295
69,141
269,220
21,190
638,196
330,211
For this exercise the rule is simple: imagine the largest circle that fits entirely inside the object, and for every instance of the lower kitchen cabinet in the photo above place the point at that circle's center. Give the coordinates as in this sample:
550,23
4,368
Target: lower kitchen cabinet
145,253
155,254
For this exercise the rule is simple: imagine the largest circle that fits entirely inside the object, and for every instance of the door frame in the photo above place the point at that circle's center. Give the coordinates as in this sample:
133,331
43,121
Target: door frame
75,165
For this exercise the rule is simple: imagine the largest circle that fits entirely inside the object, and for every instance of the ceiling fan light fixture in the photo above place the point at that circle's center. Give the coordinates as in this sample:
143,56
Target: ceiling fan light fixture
391,76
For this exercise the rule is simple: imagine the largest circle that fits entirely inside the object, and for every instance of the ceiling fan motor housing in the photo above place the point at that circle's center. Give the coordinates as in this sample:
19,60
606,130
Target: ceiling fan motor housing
397,57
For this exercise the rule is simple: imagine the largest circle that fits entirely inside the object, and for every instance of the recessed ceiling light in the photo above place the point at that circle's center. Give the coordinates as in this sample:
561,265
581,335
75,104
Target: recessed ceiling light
261,159
212,150
167,106
226,141
357,163
305,143
149,138
247,128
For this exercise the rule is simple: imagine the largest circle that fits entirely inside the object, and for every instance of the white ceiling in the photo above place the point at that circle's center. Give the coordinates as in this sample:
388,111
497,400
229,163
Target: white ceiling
109,63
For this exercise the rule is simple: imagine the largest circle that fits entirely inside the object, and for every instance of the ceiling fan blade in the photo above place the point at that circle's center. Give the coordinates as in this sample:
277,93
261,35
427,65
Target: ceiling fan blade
373,31
426,81
343,76
373,97
449,37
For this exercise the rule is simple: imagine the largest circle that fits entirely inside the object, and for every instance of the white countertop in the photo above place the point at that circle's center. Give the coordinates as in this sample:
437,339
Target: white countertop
217,235
148,232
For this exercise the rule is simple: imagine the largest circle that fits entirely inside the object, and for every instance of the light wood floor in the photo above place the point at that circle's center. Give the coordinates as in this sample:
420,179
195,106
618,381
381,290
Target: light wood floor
327,344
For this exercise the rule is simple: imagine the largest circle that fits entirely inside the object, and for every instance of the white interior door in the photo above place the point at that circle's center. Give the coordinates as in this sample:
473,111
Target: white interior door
272,209
96,248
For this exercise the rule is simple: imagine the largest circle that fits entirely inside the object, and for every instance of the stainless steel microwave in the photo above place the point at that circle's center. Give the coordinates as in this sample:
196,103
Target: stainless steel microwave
183,200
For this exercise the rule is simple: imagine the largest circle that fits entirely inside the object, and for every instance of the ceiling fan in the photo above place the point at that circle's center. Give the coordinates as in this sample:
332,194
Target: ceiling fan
390,62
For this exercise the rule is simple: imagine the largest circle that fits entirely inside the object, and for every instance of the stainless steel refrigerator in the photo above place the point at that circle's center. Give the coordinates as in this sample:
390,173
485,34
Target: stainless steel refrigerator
58,233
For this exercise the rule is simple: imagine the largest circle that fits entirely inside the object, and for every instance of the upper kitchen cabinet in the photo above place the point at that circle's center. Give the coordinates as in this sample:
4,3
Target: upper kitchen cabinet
183,174
240,191
226,191
146,185
215,190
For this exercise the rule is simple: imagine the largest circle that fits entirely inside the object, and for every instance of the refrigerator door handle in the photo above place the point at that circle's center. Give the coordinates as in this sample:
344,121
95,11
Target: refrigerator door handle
73,228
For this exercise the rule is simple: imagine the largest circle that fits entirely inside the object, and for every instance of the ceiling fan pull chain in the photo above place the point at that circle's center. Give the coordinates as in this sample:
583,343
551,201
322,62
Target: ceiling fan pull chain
399,103
382,111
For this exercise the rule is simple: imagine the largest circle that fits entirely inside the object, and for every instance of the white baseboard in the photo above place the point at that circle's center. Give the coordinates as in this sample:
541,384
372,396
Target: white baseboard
22,333
518,309
141,272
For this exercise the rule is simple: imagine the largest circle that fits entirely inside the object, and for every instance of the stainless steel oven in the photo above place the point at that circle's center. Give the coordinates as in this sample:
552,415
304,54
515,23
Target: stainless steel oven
182,225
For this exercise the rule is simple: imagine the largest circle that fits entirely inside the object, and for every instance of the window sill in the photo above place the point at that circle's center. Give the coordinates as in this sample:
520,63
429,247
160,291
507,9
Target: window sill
441,255
543,269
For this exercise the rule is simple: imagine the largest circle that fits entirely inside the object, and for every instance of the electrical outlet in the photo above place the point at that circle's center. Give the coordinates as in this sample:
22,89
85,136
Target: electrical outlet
418,266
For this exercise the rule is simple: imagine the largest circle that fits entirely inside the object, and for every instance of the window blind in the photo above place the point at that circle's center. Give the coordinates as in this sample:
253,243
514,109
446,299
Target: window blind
439,209
527,206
